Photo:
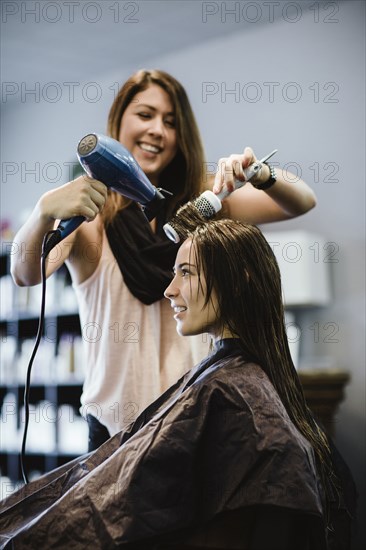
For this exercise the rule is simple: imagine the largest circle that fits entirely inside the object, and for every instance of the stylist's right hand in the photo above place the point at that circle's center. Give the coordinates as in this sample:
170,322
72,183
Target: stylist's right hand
83,196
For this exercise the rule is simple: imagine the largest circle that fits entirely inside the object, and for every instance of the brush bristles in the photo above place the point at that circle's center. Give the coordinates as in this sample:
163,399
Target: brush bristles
204,207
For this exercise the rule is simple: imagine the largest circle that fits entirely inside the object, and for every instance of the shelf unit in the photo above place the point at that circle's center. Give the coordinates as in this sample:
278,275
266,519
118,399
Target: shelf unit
20,326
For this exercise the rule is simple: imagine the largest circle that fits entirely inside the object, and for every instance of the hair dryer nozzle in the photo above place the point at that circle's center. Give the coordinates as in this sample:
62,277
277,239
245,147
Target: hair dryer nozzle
154,206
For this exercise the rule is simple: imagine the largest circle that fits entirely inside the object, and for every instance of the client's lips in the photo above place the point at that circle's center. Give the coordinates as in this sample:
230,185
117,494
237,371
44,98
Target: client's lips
179,309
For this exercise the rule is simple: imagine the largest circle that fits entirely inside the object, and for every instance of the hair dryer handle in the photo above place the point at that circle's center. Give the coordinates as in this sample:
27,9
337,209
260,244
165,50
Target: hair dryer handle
68,226
64,228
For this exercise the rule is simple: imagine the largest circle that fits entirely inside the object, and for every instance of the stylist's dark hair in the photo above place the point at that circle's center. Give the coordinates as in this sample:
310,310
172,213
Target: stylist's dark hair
240,267
185,174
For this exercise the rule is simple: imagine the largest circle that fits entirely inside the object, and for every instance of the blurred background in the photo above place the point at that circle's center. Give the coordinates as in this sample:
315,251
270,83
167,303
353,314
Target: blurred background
285,75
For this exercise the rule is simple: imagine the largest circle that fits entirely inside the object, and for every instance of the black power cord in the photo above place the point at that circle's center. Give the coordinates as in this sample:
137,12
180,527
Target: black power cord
50,240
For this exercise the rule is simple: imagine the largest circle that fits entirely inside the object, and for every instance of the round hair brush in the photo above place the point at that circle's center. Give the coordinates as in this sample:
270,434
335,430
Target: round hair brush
206,206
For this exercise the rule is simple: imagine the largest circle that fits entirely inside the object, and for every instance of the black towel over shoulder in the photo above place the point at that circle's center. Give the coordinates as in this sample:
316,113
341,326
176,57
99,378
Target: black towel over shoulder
145,258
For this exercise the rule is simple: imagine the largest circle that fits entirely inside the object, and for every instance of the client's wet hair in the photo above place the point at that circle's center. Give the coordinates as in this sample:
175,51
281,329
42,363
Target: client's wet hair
240,267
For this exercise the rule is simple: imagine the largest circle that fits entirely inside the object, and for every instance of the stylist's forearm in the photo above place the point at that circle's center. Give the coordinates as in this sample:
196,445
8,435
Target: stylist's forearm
293,195
26,249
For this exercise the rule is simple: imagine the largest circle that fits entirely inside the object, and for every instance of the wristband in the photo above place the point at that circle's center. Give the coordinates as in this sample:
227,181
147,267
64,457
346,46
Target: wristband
271,180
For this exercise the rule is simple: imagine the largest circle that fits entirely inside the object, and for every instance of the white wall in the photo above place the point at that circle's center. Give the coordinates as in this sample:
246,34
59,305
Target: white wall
324,57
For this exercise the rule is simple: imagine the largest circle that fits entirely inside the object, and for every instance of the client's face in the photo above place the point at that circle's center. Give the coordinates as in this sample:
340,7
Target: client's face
187,293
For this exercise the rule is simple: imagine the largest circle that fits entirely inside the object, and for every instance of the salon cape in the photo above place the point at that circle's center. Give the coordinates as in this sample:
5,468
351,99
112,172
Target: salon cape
217,442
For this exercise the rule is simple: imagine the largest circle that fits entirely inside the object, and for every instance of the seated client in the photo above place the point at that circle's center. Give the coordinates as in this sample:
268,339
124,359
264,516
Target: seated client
229,457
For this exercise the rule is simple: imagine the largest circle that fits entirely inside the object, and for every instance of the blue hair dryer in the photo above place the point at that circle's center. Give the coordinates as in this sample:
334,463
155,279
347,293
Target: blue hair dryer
106,160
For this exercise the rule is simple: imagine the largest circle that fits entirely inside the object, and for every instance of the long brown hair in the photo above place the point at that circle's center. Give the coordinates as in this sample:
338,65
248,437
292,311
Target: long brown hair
240,267
185,174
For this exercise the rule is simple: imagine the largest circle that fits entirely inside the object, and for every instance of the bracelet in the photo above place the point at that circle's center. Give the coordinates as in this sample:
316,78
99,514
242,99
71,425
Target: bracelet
271,180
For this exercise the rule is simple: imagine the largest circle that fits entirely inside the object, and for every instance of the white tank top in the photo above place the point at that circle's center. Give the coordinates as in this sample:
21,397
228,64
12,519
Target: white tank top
132,351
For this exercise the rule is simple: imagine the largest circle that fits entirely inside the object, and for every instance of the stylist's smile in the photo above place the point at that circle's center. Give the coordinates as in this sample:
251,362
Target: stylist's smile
147,147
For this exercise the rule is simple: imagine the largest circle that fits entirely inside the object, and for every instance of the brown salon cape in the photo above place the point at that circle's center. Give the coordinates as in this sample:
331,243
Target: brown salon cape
215,462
